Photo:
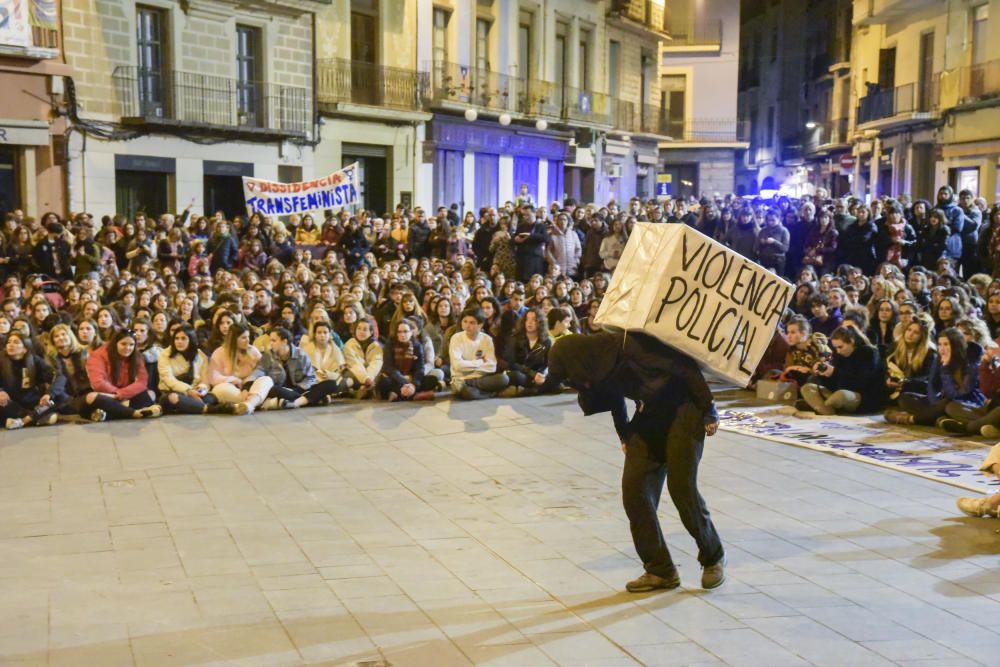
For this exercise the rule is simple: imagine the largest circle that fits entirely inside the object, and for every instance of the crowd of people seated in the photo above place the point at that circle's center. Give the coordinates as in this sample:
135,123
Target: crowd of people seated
896,307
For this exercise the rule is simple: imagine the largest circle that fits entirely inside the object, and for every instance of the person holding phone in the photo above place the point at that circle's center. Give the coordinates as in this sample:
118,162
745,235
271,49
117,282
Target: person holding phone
530,238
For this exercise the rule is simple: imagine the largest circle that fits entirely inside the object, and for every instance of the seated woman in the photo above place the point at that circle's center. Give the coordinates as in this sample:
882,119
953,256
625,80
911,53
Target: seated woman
363,356
117,371
952,386
911,359
882,327
183,372
852,381
149,350
326,357
805,349
234,373
403,377
25,381
527,354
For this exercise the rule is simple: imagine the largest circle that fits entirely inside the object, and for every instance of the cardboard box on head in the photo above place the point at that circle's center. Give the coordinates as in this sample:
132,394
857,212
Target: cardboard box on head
696,295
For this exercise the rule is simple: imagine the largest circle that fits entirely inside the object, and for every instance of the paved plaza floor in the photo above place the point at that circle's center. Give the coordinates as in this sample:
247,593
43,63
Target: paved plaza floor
455,534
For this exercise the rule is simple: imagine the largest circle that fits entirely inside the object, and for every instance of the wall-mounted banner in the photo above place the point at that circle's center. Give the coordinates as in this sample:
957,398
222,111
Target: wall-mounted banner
337,190
698,296
14,27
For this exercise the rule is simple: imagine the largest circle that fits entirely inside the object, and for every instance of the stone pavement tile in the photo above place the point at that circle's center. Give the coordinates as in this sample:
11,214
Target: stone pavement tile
804,595
957,662
815,642
264,643
911,649
674,655
586,647
749,605
105,653
687,613
335,637
507,655
231,600
860,625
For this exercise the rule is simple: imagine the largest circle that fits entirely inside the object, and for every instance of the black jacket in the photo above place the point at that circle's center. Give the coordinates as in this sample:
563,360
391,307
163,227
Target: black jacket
864,373
607,368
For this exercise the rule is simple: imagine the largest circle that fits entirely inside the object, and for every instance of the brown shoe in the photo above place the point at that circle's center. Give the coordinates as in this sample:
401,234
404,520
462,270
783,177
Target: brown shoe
650,582
424,396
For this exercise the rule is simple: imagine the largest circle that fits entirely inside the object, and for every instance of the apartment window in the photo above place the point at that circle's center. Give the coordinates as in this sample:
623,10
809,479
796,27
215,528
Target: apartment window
560,54
584,62
614,53
248,74
887,68
151,49
980,20
524,49
439,45
483,44
673,100
364,31
769,138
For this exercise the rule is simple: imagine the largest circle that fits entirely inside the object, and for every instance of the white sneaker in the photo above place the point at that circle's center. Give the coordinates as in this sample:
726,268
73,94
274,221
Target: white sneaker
98,415
49,419
805,414
787,410
14,424
976,507
243,409
270,404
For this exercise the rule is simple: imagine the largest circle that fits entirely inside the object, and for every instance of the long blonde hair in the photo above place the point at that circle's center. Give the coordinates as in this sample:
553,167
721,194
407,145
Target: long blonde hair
910,358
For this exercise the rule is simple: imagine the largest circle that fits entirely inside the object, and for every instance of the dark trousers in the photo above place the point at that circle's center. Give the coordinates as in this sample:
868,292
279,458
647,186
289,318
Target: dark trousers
483,387
16,410
387,385
314,394
973,417
187,405
925,410
642,484
114,408
527,381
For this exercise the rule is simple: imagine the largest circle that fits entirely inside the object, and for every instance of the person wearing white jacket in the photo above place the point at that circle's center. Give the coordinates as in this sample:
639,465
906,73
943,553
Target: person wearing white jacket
327,359
564,247
613,245
363,356
473,360
183,370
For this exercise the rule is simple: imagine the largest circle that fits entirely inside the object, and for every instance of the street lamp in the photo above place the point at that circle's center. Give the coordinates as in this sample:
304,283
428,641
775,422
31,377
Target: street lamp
471,115
811,125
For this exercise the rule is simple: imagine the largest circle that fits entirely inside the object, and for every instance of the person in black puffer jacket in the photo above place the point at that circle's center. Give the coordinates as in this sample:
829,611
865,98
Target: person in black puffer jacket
852,381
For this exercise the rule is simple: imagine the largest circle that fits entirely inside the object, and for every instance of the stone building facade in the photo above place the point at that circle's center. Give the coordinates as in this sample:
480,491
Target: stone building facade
173,102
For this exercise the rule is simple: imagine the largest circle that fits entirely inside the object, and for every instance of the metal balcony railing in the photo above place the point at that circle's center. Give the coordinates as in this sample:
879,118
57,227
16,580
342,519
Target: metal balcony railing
983,80
701,33
826,133
342,80
704,130
199,100
626,119
586,106
451,82
890,102
540,98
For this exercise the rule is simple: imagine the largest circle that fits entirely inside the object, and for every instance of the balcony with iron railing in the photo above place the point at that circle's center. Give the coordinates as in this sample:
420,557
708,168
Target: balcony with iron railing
460,84
913,101
643,14
874,12
979,81
701,130
342,81
190,100
699,36
825,136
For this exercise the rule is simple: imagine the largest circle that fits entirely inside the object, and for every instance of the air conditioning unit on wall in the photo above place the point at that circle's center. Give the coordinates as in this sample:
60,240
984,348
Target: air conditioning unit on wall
615,171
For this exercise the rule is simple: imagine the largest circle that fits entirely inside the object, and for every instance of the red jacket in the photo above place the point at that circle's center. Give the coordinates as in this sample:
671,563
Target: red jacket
99,372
